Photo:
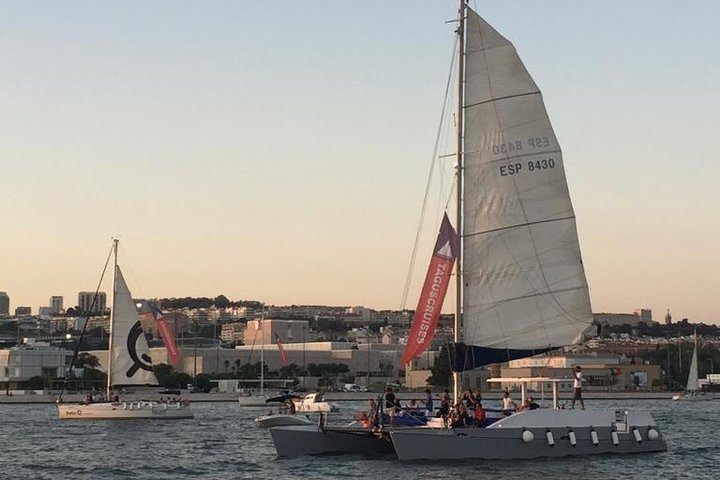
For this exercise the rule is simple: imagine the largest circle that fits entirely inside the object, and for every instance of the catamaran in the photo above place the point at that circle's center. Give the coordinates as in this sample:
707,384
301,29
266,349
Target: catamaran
129,366
521,286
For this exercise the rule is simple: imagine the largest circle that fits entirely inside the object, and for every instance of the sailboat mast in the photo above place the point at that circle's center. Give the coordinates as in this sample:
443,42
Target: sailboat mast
262,355
112,320
459,185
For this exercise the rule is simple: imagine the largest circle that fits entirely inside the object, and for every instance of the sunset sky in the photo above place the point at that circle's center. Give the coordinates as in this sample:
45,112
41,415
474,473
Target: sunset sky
278,151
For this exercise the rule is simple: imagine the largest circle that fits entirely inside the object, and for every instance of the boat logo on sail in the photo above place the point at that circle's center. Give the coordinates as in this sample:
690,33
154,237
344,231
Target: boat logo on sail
146,362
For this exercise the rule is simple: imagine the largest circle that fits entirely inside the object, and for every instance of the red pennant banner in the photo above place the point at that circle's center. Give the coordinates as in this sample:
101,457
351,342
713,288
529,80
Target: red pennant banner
437,280
167,335
283,357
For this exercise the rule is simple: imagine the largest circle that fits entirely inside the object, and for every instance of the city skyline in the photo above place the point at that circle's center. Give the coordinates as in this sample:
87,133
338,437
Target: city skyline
235,150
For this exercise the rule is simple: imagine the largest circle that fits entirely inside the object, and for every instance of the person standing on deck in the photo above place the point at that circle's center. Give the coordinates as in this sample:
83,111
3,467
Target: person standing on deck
577,386
390,401
428,401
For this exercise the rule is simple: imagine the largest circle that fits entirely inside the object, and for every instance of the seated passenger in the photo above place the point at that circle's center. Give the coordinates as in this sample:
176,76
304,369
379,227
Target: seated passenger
468,398
479,415
460,417
531,404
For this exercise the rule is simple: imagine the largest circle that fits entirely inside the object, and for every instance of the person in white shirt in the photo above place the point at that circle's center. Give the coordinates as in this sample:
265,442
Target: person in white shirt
577,385
508,404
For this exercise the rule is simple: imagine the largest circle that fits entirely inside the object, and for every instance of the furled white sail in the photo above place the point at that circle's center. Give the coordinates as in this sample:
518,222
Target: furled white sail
692,383
131,363
525,285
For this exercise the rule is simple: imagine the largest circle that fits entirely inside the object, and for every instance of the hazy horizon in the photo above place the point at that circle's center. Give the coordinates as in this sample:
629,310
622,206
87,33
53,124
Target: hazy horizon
278,152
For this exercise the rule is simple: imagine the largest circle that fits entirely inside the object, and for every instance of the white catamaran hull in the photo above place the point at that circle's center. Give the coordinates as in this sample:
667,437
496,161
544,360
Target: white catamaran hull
124,411
534,434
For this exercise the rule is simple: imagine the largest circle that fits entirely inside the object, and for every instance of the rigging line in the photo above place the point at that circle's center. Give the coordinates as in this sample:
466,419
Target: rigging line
411,267
87,317
252,347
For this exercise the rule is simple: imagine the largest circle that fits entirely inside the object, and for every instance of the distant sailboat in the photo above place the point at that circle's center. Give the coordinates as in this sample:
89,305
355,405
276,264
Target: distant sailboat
692,389
129,365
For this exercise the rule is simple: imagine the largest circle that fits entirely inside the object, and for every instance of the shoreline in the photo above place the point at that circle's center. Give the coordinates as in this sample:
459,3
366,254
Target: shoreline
29,399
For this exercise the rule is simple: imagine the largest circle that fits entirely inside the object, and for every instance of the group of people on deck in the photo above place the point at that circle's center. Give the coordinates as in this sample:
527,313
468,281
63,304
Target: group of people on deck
467,412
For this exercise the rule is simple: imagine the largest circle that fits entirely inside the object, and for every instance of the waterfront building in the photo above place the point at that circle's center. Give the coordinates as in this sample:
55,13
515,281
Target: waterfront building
268,331
23,311
20,364
4,304
222,360
56,304
45,311
668,318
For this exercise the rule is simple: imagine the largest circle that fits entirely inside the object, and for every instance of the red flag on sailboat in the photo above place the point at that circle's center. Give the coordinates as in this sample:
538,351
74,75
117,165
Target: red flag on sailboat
283,357
433,292
167,335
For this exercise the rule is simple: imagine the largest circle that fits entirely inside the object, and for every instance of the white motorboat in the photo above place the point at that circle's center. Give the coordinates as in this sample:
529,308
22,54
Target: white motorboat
313,402
129,365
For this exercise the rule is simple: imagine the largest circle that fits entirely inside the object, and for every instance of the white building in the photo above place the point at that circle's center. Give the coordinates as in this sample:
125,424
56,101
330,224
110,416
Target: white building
268,331
19,364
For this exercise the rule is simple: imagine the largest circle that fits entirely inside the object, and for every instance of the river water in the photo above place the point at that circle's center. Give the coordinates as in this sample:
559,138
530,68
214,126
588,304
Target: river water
222,442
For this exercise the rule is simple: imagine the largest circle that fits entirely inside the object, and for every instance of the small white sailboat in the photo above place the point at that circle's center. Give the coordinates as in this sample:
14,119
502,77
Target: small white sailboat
129,366
692,391
261,399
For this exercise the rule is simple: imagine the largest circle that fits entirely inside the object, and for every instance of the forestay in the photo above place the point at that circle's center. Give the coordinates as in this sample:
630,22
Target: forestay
525,287
131,363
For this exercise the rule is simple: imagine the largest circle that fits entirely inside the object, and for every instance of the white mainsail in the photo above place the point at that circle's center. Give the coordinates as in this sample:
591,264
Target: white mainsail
524,282
131,363
692,382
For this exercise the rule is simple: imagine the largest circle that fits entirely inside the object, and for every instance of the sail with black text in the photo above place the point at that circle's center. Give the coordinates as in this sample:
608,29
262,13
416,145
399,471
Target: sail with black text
525,290
131,363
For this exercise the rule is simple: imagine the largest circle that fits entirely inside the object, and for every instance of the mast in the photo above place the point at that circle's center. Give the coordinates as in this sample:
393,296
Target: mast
112,320
459,184
262,354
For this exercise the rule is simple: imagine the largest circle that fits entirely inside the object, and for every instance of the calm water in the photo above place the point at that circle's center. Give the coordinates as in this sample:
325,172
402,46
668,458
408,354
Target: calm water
223,443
